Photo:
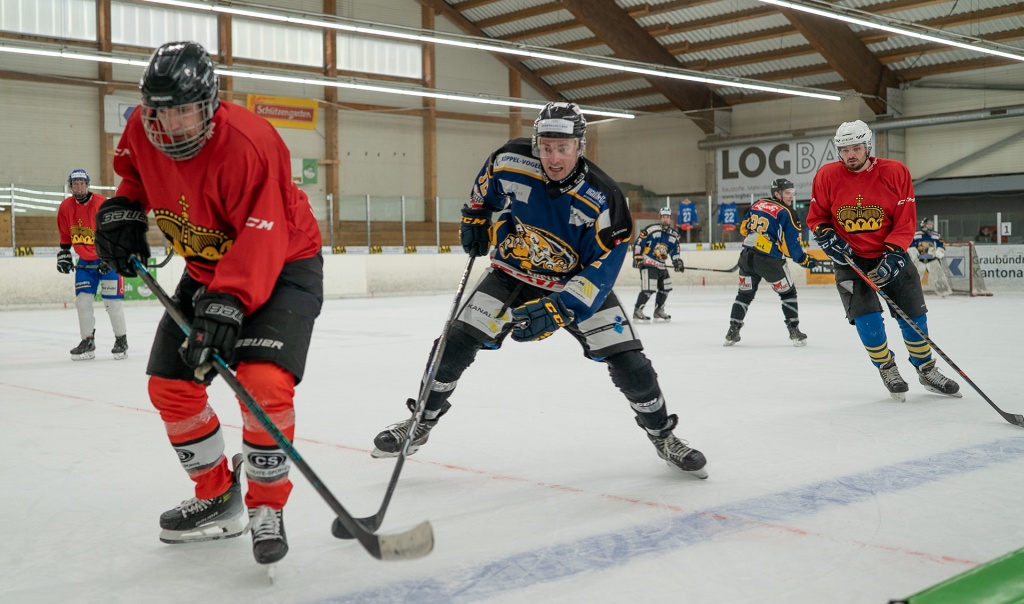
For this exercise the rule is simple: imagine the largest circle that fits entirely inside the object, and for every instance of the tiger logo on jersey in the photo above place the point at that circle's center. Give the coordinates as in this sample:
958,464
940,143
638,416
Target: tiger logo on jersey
537,249
82,235
191,240
660,251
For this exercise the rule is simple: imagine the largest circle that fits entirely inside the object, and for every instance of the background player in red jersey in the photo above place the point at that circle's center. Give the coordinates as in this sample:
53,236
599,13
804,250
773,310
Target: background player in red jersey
218,180
76,222
863,207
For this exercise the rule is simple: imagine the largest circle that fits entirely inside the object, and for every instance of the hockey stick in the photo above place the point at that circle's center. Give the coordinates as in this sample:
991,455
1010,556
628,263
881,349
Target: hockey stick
371,523
1014,419
735,268
413,543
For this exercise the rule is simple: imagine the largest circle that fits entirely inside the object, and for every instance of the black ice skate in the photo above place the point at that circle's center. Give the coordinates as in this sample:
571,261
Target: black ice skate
120,349
639,316
933,381
733,335
893,381
661,315
86,349
798,337
676,453
197,520
269,542
389,442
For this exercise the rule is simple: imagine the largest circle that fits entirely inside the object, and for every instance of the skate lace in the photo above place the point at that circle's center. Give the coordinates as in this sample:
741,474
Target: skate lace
935,378
891,375
674,447
265,524
193,506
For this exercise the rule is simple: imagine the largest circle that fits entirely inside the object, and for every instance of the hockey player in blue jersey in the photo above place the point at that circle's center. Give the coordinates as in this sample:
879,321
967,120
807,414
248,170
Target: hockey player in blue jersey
656,246
927,251
770,233
560,236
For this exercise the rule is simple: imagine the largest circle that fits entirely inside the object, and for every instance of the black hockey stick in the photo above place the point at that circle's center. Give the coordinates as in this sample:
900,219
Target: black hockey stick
1014,419
735,268
413,543
371,523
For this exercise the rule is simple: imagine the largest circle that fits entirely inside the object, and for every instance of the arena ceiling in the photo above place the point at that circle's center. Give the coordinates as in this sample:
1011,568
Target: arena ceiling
743,38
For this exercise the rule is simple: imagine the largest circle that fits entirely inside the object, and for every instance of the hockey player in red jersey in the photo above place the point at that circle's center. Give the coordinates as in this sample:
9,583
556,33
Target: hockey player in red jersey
217,178
76,222
863,207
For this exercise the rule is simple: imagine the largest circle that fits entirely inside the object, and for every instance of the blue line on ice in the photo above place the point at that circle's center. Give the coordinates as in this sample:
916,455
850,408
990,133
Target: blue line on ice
598,552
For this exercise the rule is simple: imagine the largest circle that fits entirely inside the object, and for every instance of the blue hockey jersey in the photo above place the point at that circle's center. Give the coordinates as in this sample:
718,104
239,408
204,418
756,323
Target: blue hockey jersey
728,215
927,244
686,216
569,236
658,245
770,228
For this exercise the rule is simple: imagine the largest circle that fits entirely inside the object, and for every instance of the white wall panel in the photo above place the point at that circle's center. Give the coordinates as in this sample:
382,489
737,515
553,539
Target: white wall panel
381,153
48,139
74,19
796,113
152,26
462,148
659,153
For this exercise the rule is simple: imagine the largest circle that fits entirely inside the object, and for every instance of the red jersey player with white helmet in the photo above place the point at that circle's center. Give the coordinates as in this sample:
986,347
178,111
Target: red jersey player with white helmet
76,222
863,207
218,180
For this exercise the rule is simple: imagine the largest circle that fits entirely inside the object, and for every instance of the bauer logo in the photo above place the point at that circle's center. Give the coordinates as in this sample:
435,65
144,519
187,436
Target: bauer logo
184,455
267,461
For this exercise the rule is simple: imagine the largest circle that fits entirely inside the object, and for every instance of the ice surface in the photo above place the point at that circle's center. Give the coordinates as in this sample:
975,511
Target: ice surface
539,485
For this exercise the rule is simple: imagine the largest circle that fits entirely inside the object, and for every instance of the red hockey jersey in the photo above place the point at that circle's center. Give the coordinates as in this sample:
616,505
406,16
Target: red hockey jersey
77,224
868,208
232,211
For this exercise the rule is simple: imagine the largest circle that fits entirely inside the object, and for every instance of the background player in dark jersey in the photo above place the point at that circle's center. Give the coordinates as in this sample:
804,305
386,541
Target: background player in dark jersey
76,222
560,237
864,207
655,247
927,251
218,179
771,232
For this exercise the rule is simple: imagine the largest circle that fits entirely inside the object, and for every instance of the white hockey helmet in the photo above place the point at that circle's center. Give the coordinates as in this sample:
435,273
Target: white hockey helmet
665,212
853,133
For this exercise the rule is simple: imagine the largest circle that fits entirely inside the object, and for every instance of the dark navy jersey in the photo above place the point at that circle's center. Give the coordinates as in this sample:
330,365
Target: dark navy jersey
770,228
659,245
569,236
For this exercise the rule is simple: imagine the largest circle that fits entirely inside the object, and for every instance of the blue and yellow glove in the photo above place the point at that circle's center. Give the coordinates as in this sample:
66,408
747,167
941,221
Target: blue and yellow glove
892,263
832,244
538,319
808,262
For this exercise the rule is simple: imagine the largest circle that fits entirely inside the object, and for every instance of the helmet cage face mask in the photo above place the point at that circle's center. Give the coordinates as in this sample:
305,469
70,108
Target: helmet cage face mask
78,174
179,97
560,120
853,133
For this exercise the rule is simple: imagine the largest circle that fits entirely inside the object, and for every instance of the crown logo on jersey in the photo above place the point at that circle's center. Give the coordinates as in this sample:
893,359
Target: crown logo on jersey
191,240
860,218
537,249
82,235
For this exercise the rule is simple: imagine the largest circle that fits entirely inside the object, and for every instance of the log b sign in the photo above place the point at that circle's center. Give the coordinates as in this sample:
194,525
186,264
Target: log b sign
750,169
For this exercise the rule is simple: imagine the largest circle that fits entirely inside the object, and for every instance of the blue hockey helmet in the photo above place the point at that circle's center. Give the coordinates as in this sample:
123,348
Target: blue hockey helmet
78,174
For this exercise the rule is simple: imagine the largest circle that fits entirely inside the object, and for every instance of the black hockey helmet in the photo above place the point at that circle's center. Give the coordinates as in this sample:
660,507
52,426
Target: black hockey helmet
179,75
781,184
560,120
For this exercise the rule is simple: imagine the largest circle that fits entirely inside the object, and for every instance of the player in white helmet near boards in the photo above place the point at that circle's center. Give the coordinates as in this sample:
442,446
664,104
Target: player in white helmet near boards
656,247
863,207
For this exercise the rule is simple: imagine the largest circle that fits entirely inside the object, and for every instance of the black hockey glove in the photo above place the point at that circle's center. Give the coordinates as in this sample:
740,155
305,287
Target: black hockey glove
103,268
121,227
638,261
892,263
218,320
538,319
832,244
64,263
475,232
678,265
808,261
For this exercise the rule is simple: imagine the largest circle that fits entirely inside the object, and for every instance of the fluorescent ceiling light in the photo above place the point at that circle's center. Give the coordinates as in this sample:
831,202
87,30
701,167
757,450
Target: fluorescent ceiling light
899,27
349,83
522,50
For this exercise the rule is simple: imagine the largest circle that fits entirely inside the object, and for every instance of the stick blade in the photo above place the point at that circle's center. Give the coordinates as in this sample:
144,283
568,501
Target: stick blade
414,543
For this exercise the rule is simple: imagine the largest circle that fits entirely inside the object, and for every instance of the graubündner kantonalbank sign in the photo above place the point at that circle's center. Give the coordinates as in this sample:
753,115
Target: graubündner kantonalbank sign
747,170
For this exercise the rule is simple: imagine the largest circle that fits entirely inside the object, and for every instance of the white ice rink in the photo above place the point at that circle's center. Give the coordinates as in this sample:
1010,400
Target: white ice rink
538,483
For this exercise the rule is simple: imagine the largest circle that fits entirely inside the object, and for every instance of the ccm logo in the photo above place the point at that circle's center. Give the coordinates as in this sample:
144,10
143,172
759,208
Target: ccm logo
185,455
258,223
267,461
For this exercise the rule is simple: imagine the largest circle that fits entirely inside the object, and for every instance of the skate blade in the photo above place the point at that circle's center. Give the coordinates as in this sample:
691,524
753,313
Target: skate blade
899,396
378,454
728,343
85,356
799,343
271,573
207,532
701,473
937,391
120,355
